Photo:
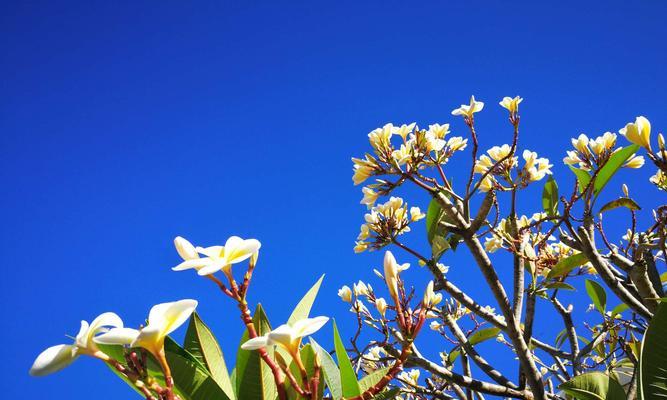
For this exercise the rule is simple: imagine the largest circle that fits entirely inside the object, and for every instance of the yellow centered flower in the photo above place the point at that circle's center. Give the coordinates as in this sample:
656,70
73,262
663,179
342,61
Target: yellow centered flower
287,336
381,305
469,110
162,320
511,104
345,293
58,357
216,258
430,297
638,132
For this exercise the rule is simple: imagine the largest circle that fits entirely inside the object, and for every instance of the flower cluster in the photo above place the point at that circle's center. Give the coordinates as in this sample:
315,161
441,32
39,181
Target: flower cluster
386,221
589,154
499,164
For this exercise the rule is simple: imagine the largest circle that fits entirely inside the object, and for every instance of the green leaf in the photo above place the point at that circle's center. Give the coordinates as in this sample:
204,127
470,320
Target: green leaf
347,375
619,309
371,379
597,294
550,197
329,370
201,343
559,285
254,380
622,202
387,394
480,336
191,379
564,266
582,176
593,386
612,166
302,309
653,357
433,216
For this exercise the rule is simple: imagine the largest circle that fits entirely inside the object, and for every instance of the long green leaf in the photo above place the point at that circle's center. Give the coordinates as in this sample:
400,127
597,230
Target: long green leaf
564,266
480,336
254,380
550,197
653,357
201,343
371,379
612,166
302,309
307,354
191,380
597,294
593,386
329,370
622,202
582,177
433,215
347,375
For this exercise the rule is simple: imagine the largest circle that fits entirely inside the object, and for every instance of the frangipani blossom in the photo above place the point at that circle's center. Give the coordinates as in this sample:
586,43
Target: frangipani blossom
511,104
287,336
58,357
391,271
638,132
219,258
469,110
162,320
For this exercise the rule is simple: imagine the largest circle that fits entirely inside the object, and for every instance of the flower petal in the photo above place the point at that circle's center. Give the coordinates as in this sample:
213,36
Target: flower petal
255,343
117,336
309,326
53,359
185,249
283,335
169,316
196,263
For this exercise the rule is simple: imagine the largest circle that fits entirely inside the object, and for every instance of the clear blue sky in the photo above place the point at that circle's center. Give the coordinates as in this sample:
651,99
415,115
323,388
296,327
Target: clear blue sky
124,124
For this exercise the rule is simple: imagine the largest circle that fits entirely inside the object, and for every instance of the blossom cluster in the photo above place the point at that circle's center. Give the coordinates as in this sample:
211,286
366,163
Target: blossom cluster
384,222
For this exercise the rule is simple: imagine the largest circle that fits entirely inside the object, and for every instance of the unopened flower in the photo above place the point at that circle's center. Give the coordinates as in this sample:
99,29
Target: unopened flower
638,132
581,144
345,294
391,271
219,258
58,357
162,320
511,104
287,336
435,325
381,305
469,109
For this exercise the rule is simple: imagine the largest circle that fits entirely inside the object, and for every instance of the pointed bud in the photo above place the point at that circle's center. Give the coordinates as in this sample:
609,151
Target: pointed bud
625,190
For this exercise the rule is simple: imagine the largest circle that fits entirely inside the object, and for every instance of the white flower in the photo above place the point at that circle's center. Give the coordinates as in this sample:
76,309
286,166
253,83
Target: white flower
431,298
219,258
381,305
416,214
635,162
435,325
287,336
162,320
493,244
511,104
581,144
360,289
370,197
469,110
638,132
391,271
438,131
404,130
345,294
58,357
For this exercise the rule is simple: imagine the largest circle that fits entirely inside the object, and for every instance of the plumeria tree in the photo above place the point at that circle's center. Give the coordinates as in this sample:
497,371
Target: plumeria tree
616,351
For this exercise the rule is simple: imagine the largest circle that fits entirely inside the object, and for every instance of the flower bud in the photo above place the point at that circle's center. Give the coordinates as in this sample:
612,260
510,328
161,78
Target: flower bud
381,305
345,294
625,190
185,249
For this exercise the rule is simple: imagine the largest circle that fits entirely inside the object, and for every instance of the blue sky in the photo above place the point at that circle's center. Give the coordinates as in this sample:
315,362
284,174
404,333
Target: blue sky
124,124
